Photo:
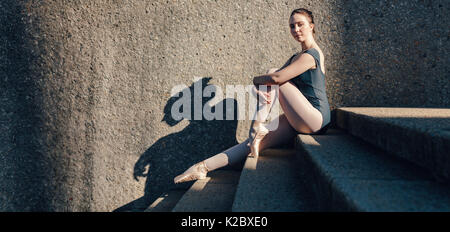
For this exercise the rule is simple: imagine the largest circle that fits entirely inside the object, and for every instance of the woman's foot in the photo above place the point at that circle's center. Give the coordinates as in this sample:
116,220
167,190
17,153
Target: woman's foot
195,172
256,136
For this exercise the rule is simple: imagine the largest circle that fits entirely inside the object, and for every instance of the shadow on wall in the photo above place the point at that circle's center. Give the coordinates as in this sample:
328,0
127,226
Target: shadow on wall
24,168
174,153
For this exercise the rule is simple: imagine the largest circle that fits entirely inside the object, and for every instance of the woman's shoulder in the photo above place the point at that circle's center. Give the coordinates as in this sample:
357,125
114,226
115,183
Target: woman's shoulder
308,51
313,51
318,54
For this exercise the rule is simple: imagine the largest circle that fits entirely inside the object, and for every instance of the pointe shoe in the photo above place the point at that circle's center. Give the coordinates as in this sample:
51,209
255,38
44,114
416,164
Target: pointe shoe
258,135
195,172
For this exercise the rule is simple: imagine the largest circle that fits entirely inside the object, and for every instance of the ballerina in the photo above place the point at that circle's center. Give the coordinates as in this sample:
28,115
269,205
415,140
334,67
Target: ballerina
301,93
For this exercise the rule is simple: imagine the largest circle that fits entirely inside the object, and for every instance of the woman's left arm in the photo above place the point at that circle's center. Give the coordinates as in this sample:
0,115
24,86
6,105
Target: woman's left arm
297,67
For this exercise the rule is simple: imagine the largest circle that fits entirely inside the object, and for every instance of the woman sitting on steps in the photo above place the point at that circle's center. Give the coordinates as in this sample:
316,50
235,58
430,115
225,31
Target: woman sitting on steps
301,94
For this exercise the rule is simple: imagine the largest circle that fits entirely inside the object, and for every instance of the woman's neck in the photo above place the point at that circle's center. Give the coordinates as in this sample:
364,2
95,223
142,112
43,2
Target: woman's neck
307,44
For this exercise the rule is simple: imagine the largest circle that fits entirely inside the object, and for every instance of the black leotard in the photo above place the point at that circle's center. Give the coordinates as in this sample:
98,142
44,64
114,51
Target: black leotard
312,84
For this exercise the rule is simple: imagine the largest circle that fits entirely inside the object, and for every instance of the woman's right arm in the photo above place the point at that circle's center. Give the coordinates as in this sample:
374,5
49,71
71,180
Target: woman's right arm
267,78
296,67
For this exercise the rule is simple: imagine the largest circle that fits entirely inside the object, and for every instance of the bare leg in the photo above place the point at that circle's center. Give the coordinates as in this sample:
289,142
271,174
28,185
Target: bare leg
299,116
232,155
257,129
240,151
263,108
235,154
229,156
302,116
283,133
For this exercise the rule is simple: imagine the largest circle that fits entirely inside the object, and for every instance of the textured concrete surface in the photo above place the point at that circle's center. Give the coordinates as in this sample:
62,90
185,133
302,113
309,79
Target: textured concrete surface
212,194
395,195
348,174
394,53
85,85
420,135
272,183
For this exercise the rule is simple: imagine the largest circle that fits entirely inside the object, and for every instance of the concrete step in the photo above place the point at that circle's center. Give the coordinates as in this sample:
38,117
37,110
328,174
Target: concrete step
420,135
272,183
213,194
166,202
348,174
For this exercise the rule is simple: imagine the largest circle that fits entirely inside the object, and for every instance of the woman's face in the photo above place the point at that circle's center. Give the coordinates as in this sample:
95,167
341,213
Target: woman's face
300,27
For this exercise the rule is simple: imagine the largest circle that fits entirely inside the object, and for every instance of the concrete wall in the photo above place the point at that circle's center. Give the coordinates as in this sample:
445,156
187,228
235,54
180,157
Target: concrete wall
86,85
